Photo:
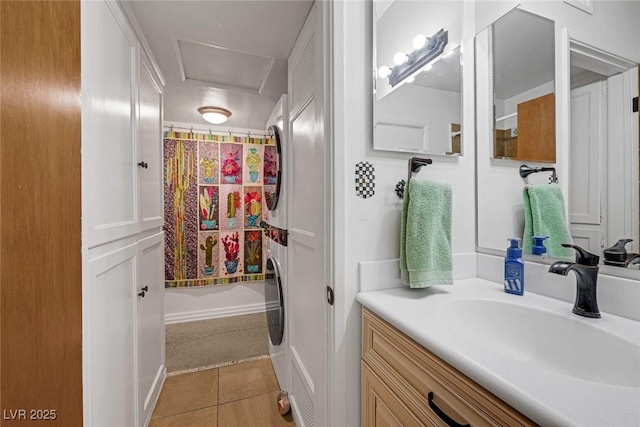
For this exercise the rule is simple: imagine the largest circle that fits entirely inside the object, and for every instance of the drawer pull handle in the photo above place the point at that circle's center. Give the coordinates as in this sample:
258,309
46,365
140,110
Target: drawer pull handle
444,417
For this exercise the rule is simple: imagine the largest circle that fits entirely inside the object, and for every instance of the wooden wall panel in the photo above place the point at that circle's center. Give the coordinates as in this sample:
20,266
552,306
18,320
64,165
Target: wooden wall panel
537,129
40,213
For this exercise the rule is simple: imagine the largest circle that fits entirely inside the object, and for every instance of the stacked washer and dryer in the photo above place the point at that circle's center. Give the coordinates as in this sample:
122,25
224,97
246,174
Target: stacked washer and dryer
276,226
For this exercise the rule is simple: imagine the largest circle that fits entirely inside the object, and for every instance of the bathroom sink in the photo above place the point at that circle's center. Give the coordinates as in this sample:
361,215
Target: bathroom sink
561,342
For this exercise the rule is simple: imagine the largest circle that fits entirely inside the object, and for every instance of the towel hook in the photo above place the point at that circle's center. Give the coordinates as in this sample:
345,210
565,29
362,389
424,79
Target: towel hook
414,166
525,171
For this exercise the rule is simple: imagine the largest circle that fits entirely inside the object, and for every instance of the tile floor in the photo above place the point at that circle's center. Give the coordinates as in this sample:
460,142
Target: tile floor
242,395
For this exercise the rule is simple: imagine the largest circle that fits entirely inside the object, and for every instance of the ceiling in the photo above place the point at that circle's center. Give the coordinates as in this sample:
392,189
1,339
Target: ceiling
229,54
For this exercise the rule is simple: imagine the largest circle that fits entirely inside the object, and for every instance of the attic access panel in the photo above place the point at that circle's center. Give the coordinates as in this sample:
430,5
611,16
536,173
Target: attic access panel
223,68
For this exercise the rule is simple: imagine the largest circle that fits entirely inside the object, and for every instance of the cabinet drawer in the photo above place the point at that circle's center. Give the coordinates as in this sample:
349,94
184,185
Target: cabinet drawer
380,404
419,376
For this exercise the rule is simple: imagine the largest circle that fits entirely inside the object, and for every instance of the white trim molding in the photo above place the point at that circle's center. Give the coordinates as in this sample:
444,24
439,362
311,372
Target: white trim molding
216,313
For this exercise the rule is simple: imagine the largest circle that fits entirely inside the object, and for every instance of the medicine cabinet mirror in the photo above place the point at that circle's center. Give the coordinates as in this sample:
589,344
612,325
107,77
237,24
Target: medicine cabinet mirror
273,169
419,109
523,87
598,162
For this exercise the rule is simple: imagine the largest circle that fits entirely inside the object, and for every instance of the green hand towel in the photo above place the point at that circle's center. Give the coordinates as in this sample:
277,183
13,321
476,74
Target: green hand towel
544,215
425,235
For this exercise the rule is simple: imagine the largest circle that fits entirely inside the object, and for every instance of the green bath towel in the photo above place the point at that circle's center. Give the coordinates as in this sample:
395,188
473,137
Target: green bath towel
544,215
425,235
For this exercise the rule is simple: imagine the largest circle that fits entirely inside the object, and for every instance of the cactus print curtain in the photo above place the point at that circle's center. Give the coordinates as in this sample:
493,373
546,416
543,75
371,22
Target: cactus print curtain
214,202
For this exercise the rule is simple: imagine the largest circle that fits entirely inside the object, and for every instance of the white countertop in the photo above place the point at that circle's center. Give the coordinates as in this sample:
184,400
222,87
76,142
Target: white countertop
546,395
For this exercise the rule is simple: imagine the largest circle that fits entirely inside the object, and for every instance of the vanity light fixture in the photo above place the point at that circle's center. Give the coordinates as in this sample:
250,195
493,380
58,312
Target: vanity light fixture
409,64
215,115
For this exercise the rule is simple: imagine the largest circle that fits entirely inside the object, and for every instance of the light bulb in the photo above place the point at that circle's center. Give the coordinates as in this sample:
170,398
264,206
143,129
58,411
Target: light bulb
410,79
419,41
400,58
384,72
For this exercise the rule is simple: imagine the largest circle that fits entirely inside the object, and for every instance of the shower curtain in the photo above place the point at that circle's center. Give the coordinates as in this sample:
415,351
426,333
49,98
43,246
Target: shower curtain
214,203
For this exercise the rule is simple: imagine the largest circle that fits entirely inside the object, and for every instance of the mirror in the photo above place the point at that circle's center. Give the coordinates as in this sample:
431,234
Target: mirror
597,163
417,108
523,88
603,152
272,169
502,84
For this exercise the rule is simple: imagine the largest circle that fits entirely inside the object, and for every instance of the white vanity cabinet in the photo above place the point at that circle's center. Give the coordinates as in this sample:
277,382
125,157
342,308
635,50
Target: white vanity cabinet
122,217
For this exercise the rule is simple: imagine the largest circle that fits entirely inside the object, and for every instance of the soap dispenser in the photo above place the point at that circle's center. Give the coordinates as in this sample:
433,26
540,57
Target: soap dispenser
514,268
538,247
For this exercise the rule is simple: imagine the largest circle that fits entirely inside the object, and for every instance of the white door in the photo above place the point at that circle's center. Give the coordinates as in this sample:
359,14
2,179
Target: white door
150,327
622,160
110,53
150,154
588,146
603,202
307,321
109,362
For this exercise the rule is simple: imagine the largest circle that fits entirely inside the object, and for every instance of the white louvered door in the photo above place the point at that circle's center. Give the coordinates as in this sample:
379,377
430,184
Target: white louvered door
307,225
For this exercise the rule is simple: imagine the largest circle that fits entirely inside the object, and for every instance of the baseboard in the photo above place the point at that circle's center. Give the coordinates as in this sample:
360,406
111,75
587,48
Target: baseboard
215,313
152,399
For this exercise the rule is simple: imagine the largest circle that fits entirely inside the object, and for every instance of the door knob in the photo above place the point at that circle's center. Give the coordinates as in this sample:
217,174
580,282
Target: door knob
143,291
143,164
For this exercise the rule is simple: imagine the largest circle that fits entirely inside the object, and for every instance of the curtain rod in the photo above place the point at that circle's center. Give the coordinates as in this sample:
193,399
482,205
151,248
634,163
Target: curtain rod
229,132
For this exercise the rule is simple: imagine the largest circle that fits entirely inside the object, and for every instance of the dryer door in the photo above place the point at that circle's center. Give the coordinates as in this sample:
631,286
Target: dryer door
274,301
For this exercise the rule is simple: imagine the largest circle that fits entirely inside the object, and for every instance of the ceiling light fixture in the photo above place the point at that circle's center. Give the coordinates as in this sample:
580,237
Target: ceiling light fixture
215,115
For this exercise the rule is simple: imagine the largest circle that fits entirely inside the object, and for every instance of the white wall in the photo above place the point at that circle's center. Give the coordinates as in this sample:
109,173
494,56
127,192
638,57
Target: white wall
419,105
369,229
612,24
188,304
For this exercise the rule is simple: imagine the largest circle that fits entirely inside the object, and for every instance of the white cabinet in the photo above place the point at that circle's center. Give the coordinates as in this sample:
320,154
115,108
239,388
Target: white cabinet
122,217
122,116
110,364
109,57
150,328
150,152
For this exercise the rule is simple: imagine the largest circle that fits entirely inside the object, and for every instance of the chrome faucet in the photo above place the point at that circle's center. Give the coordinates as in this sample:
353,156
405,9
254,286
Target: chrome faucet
586,270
